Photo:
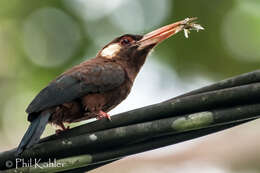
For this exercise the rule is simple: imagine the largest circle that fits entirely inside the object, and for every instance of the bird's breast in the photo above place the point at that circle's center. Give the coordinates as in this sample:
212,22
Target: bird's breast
89,105
107,100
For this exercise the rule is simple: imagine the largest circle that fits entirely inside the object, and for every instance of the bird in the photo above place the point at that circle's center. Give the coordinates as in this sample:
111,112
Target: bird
95,86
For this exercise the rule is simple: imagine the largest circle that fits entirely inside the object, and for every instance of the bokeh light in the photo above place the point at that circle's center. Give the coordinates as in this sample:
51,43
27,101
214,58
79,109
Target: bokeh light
92,9
241,30
147,15
50,37
123,19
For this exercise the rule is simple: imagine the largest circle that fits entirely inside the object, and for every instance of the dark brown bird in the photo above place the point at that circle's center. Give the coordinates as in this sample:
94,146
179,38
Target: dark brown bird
96,86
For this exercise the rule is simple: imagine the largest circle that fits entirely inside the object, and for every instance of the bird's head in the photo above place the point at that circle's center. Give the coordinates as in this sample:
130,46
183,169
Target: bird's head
133,49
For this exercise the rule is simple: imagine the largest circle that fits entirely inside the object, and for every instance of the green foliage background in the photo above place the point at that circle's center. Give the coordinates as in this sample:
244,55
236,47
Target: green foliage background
228,46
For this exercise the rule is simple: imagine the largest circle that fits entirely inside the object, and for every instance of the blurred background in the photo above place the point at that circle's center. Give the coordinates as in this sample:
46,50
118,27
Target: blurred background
41,39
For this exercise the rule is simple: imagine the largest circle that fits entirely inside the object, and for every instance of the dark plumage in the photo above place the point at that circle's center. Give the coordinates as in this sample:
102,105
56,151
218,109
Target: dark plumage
96,86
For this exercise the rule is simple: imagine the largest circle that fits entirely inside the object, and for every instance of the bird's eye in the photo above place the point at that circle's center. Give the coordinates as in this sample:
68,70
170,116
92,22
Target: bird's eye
126,40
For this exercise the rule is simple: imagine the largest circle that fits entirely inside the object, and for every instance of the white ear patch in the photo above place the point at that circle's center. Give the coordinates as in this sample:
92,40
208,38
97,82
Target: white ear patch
110,51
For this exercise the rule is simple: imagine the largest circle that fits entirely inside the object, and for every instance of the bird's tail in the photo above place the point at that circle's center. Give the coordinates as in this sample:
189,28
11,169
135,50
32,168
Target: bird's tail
34,131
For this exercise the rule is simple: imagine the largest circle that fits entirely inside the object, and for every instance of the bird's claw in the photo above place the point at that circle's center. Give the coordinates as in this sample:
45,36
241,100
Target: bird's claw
102,114
63,128
58,131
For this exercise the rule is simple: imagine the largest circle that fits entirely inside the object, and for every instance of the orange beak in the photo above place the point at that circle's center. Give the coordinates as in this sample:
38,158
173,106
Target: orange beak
167,31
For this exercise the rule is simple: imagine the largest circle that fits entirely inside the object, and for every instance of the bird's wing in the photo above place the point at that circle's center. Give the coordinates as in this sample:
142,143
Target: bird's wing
76,83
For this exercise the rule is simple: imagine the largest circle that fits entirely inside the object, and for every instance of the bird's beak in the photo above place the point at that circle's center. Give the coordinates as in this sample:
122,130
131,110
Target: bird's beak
158,35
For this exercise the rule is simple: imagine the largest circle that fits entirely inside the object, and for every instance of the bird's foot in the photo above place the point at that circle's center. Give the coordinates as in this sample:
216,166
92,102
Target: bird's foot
102,114
58,131
63,128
